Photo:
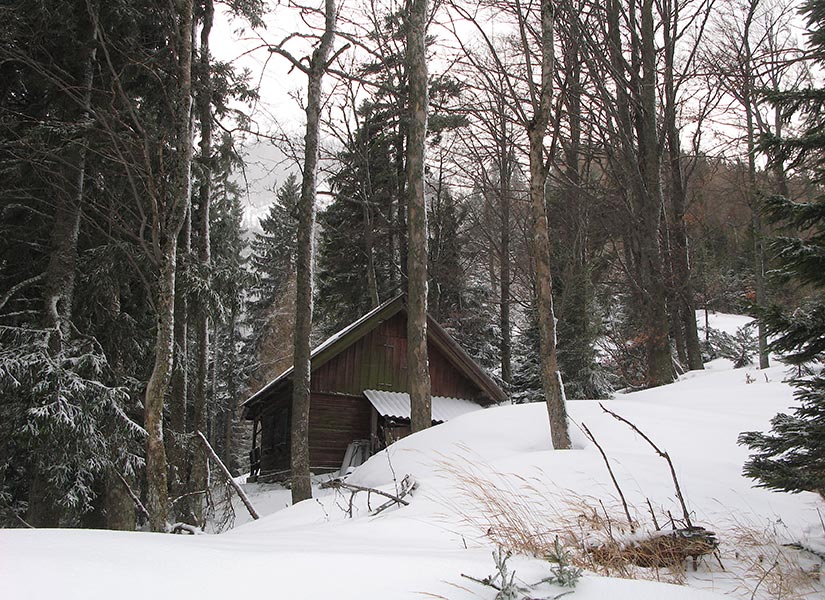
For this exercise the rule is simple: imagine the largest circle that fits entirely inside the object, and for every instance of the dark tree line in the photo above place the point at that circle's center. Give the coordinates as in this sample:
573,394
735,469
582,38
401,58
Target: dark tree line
117,233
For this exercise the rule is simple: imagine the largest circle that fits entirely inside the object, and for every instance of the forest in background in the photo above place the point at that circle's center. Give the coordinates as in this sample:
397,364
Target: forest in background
126,277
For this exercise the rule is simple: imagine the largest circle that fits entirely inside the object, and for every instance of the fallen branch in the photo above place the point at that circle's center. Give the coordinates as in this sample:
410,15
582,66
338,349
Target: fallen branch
803,548
228,476
339,484
185,528
663,455
135,499
407,486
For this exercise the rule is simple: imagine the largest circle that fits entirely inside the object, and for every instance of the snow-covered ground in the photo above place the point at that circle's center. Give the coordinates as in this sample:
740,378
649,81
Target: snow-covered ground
467,469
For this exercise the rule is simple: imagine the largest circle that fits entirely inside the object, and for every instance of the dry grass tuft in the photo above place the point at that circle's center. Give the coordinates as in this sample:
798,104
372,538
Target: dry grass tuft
525,515
765,568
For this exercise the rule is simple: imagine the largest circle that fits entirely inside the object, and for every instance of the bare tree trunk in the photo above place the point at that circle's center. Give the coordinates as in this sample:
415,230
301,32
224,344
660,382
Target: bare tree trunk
550,374
369,248
748,93
301,485
120,508
179,396
157,490
505,174
659,367
167,228
197,479
684,311
418,370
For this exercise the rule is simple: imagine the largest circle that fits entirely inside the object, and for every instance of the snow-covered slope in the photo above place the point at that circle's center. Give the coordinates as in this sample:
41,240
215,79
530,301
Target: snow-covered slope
316,551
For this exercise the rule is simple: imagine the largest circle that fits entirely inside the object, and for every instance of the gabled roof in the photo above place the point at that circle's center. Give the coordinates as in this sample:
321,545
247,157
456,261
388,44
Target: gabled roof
350,334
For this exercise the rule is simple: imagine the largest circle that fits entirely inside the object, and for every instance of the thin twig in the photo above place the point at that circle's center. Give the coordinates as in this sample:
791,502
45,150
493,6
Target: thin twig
652,514
660,453
761,579
590,435
187,495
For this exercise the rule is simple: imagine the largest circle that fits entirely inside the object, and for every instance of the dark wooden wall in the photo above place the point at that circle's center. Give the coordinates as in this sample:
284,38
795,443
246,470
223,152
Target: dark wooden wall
334,422
378,361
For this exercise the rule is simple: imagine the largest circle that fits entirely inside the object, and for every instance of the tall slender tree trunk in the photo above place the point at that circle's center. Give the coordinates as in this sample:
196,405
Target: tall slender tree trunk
505,176
748,93
167,227
659,364
301,485
418,370
179,397
550,374
684,312
197,480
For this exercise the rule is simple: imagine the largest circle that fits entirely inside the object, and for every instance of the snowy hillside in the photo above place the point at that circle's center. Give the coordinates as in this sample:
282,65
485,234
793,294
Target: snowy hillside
477,475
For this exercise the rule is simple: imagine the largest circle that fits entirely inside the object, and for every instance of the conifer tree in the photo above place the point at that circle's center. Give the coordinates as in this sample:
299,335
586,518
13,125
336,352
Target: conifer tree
271,291
791,457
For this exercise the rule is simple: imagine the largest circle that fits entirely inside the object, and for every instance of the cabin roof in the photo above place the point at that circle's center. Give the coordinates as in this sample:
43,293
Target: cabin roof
397,404
353,332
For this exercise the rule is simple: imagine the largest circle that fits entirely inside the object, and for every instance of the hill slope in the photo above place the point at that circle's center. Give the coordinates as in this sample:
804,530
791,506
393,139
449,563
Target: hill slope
477,475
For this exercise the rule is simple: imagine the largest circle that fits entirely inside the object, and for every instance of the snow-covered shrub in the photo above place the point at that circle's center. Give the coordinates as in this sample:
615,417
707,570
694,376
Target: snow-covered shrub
739,348
61,423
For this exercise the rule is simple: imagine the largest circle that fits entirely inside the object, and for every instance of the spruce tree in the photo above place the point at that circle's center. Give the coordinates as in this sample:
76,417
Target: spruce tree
357,268
271,301
272,260
791,457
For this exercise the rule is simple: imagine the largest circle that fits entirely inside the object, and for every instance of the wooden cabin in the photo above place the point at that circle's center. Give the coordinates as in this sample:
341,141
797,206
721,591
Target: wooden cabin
358,393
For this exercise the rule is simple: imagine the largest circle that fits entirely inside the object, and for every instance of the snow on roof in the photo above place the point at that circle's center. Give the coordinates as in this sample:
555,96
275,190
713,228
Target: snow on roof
397,404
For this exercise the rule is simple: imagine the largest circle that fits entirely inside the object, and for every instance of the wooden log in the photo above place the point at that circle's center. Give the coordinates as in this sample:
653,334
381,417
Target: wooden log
659,550
228,476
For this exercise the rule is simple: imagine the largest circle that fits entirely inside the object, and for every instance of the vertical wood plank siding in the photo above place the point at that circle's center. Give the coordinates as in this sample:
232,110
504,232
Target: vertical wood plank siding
379,361
334,422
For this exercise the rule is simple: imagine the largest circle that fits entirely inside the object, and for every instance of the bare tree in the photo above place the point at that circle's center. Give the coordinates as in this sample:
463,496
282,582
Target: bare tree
315,69
751,55
170,216
678,17
533,37
197,478
418,371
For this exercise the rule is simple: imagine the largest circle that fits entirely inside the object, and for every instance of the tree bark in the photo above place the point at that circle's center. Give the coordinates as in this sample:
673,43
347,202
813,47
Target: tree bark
179,396
684,312
418,371
506,161
748,93
659,364
120,509
197,479
167,227
301,485
550,374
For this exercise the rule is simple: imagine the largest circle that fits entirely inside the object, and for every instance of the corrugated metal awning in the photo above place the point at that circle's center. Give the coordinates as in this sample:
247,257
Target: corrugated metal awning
397,404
